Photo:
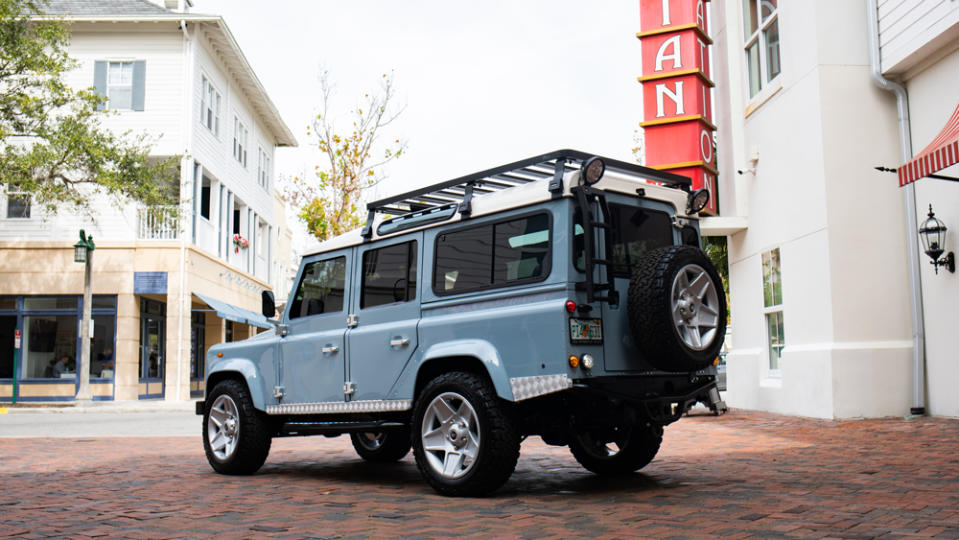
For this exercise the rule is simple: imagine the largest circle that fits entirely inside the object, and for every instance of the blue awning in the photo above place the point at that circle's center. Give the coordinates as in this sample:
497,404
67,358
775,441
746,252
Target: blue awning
235,313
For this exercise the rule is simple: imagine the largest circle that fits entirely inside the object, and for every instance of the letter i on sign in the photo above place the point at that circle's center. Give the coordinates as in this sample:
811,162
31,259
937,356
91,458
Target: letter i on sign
666,13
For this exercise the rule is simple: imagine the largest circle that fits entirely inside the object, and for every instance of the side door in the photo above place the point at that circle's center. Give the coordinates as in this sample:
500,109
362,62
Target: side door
387,308
313,352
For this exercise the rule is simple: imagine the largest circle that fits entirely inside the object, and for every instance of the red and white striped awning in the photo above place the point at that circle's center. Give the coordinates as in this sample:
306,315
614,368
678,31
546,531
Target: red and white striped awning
942,152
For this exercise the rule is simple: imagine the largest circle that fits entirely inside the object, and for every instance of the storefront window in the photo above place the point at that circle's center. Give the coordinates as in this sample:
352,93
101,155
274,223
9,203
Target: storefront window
102,357
48,303
50,344
49,348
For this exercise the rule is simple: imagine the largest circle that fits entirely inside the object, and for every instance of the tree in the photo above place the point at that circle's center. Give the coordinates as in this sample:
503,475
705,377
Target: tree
53,147
329,203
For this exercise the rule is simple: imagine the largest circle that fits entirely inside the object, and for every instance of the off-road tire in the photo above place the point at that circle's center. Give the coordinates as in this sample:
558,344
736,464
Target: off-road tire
637,448
499,439
650,306
393,446
254,431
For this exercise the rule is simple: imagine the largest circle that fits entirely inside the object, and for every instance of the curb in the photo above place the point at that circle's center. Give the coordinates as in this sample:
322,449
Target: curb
100,407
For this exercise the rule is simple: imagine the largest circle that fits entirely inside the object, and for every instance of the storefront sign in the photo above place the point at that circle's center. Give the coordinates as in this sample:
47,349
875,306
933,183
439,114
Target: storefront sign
677,101
149,282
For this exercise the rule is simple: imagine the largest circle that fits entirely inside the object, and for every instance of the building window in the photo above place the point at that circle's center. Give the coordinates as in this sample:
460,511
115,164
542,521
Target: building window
197,345
761,28
18,203
50,344
263,168
210,107
240,137
205,190
773,306
120,85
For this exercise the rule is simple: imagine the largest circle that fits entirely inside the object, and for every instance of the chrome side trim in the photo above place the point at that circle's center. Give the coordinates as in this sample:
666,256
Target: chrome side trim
341,407
538,385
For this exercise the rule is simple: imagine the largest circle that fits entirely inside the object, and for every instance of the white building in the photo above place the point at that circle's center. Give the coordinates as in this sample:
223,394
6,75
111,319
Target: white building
160,287
820,243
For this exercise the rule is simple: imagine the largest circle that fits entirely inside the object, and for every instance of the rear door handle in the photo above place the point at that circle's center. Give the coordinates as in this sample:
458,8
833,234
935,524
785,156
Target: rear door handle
330,349
399,342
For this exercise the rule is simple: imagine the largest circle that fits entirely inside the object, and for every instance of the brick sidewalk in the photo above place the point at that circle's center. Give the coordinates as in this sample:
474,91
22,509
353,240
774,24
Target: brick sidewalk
743,474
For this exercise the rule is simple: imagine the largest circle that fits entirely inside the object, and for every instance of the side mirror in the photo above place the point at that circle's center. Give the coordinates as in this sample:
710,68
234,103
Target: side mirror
269,304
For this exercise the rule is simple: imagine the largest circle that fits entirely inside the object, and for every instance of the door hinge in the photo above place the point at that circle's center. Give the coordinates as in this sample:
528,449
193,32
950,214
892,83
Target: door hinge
278,392
349,387
352,320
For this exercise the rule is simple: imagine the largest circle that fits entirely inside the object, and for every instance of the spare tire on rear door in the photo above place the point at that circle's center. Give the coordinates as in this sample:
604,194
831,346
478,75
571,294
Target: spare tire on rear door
677,308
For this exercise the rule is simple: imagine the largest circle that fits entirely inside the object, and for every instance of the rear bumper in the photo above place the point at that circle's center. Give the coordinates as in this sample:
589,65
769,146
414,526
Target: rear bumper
663,398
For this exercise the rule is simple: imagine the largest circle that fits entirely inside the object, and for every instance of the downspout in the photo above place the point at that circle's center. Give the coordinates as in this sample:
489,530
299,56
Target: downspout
186,160
909,198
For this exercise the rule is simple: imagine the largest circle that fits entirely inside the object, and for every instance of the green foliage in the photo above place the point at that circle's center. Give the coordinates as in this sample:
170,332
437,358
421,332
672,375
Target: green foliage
717,249
330,202
52,144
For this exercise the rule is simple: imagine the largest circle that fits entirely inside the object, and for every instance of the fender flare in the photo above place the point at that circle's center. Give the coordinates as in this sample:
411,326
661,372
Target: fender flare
480,349
248,372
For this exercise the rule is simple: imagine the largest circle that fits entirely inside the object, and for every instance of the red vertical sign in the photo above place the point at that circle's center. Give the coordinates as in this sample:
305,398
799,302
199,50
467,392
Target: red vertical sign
677,103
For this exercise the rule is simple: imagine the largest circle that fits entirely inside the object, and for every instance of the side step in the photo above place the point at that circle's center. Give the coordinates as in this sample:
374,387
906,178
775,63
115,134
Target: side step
330,428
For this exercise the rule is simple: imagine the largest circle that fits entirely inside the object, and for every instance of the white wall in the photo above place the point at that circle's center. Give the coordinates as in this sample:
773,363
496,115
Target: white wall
818,130
932,100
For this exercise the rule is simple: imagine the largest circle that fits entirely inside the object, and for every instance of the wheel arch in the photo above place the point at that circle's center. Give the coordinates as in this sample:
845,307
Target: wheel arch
479,357
242,370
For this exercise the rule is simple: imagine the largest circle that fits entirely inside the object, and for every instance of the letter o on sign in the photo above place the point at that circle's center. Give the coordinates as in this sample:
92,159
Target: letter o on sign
706,146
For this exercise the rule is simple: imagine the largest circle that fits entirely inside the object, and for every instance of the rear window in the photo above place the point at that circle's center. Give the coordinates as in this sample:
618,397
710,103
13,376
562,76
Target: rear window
635,231
493,255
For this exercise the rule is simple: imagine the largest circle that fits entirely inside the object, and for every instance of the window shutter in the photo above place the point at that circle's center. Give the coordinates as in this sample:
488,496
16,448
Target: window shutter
139,82
100,79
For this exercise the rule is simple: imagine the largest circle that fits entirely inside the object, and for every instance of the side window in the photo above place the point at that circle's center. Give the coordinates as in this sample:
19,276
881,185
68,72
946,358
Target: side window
389,275
321,289
492,255
520,249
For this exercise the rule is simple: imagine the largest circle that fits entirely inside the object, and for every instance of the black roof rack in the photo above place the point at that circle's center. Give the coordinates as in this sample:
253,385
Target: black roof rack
546,166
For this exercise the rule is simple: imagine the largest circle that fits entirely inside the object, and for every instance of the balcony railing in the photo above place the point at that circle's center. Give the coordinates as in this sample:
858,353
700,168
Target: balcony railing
157,226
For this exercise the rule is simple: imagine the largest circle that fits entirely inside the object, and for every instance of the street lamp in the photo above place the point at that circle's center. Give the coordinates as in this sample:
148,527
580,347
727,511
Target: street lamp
83,253
932,232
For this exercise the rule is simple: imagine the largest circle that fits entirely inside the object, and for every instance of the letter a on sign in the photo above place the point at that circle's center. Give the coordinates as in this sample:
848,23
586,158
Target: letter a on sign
674,56
676,96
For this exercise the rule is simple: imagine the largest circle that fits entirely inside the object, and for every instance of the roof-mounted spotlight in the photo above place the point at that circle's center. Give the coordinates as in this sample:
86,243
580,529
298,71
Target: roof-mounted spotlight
696,201
593,170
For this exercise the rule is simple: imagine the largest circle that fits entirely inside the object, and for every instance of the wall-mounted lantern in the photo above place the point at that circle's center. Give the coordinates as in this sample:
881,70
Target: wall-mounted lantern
932,232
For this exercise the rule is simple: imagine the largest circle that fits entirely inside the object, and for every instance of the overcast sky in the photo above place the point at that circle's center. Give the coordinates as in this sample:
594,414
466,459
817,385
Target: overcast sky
483,83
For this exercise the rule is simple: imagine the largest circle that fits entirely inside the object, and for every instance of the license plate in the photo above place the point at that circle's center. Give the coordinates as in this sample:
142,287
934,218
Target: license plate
586,330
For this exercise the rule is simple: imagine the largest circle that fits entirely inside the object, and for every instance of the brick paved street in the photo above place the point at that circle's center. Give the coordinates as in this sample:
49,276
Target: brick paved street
740,475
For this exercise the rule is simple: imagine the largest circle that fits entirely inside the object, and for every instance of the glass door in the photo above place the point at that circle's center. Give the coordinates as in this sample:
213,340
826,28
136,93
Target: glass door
152,349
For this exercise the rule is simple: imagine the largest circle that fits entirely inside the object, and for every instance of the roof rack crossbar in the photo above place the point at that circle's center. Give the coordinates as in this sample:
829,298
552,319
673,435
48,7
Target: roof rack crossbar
552,166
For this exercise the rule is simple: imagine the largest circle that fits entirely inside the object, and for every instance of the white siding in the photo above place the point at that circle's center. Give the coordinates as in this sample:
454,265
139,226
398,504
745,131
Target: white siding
912,30
215,154
161,46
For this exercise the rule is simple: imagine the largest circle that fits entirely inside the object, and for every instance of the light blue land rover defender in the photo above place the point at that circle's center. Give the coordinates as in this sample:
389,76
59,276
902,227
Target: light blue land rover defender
564,296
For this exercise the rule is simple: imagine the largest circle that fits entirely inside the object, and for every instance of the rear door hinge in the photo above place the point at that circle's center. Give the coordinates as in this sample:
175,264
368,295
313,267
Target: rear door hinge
278,392
349,387
352,320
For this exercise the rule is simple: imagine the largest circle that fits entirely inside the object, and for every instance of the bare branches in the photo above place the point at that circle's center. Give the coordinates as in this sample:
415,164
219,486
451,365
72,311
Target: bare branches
330,202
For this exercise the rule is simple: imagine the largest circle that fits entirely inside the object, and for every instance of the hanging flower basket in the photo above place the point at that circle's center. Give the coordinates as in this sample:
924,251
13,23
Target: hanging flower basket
239,242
